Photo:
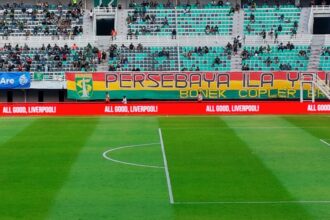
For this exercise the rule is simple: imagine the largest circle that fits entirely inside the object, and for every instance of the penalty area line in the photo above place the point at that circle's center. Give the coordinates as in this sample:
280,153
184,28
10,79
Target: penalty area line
169,185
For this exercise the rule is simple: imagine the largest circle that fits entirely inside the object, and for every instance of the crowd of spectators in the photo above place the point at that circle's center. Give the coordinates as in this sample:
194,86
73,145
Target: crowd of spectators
265,51
49,58
252,4
42,18
153,23
232,48
150,4
273,32
187,5
326,51
115,54
199,51
121,60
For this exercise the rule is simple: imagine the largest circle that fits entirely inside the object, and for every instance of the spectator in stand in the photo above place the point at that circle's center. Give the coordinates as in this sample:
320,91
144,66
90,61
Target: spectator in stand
217,61
113,34
174,34
74,46
293,32
248,28
303,53
104,55
231,11
271,33
130,34
252,18
280,47
276,36
263,34
139,47
325,51
91,14
165,22
99,56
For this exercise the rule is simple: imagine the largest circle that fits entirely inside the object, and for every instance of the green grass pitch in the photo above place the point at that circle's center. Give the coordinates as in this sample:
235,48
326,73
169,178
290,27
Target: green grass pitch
230,167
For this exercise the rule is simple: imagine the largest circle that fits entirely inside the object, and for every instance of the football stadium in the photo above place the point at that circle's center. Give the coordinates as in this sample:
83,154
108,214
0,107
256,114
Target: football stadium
165,110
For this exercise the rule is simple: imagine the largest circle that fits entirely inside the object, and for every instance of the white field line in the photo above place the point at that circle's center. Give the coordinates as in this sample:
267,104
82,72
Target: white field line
169,186
256,202
323,141
242,127
106,155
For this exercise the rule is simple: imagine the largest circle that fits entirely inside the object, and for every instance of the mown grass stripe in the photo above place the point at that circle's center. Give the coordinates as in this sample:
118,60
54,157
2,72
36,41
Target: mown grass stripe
36,162
99,189
10,127
298,159
212,165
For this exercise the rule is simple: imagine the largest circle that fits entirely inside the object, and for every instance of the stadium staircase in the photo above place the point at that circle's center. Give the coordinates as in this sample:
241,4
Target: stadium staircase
304,21
102,67
236,61
121,22
316,47
238,22
88,27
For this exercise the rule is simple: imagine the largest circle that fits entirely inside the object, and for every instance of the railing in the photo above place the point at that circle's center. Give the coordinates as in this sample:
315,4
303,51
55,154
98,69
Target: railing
322,85
310,22
327,40
104,10
168,41
39,40
321,8
297,39
315,81
48,76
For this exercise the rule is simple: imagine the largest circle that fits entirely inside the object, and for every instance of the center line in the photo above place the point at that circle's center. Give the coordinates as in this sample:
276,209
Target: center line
169,186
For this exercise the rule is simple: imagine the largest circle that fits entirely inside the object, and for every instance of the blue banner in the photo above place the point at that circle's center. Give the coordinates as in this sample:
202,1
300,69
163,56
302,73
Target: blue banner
15,80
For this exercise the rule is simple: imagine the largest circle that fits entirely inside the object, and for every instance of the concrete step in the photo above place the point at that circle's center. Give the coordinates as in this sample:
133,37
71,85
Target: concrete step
316,48
304,20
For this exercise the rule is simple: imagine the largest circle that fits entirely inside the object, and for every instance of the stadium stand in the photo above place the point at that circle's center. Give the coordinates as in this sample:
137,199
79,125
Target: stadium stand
151,22
41,19
171,58
205,59
325,59
195,28
162,19
48,58
276,57
141,58
205,21
271,19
